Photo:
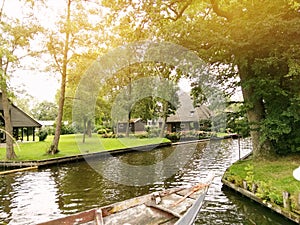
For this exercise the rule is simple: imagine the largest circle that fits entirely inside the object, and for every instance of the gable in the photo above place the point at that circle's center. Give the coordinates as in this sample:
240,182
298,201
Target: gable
18,117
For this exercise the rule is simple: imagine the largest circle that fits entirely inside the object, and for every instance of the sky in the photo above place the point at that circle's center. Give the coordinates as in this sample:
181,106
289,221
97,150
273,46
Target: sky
41,85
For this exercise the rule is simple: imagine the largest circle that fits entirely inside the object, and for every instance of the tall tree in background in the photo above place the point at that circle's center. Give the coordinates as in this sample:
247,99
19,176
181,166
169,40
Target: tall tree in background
45,111
16,34
59,49
71,39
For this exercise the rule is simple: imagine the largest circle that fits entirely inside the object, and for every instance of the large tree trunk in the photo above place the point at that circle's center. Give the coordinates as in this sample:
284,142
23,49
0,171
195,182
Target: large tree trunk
262,149
10,153
128,125
54,146
84,130
129,110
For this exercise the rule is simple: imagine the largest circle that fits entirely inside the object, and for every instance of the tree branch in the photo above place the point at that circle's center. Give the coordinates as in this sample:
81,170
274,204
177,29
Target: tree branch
1,11
220,12
180,12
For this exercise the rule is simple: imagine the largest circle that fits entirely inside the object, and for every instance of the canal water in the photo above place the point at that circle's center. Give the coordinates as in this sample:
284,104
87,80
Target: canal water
37,196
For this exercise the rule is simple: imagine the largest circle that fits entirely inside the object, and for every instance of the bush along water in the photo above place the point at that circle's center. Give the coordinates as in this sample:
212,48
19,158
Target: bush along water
189,135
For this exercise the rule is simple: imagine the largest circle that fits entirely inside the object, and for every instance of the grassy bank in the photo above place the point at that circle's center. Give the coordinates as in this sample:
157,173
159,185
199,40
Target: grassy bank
72,145
271,177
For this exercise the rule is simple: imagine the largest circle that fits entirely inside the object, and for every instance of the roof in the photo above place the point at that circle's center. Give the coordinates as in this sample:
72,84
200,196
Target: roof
134,120
19,118
187,112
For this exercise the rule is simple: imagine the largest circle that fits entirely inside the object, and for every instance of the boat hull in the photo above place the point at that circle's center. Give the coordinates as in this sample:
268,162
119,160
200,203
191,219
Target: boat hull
176,206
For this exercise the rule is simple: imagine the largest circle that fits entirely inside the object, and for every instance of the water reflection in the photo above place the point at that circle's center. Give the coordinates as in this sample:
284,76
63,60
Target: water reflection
30,197
24,194
146,167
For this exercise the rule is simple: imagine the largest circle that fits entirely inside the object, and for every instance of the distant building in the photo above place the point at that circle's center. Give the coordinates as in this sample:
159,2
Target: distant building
50,123
135,125
23,125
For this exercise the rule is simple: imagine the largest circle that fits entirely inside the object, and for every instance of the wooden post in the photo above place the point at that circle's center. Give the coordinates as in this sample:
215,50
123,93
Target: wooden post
245,185
254,188
298,201
33,134
286,200
22,130
27,131
239,144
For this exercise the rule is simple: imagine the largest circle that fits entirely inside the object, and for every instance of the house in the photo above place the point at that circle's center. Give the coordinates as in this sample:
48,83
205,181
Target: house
188,117
135,125
194,119
23,125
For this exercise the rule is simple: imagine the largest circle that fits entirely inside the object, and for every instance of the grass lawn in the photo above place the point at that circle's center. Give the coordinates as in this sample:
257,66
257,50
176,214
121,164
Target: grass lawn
72,145
272,177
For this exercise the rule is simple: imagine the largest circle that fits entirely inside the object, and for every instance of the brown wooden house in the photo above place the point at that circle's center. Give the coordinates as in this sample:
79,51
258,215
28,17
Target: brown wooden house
135,125
23,125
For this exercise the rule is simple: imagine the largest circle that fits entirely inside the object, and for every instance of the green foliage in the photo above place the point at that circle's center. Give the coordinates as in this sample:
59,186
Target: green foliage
250,176
101,131
134,91
110,135
205,125
189,135
45,111
271,177
282,124
141,135
237,120
43,133
267,192
153,131
68,129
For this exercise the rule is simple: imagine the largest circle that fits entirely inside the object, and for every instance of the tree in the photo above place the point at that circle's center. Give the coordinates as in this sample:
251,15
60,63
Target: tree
143,90
70,40
16,34
59,49
258,41
45,111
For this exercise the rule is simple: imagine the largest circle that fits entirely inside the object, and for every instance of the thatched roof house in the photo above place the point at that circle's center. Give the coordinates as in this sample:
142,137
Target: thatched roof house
188,117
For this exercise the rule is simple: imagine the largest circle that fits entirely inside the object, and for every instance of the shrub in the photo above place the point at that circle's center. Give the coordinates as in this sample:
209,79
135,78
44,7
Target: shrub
101,131
175,136
109,135
67,129
141,135
43,134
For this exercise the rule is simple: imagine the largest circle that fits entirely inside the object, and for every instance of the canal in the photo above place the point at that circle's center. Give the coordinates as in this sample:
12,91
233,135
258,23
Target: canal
37,196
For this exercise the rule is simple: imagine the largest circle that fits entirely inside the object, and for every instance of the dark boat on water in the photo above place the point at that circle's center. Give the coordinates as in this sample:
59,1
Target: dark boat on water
175,206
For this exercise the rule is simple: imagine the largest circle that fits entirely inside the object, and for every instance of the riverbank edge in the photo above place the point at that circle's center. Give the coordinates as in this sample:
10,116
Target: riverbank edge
34,164
78,157
272,206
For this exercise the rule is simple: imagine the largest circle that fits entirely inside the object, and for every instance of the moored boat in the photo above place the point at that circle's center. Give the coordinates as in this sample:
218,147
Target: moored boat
175,206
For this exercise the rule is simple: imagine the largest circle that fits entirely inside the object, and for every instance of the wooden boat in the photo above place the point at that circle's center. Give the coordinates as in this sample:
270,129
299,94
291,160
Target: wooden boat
176,206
